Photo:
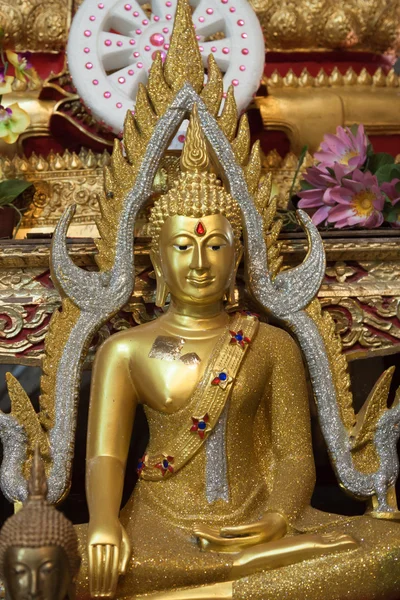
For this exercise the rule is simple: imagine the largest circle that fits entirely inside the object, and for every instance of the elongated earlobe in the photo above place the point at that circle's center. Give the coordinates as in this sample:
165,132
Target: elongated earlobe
162,289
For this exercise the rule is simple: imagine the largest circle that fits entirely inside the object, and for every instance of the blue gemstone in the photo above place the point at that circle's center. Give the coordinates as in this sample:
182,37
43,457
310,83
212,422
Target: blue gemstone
202,425
222,376
165,464
239,337
140,464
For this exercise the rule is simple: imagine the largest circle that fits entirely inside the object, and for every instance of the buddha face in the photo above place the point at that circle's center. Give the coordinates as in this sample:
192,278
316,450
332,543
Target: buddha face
36,573
197,257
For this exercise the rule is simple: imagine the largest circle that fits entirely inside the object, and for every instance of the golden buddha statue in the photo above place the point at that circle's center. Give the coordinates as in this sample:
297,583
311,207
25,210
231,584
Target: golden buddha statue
222,506
38,547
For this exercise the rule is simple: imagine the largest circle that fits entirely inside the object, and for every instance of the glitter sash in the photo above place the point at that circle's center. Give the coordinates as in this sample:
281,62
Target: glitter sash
208,400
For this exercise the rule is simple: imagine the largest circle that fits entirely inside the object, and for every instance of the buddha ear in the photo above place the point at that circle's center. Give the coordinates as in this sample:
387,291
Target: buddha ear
230,294
162,290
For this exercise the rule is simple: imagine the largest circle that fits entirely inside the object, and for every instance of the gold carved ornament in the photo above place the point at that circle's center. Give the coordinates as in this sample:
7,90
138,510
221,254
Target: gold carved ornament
308,25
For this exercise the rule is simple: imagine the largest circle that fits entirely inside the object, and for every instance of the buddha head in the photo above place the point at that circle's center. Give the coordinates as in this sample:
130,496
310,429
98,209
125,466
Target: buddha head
39,557
196,230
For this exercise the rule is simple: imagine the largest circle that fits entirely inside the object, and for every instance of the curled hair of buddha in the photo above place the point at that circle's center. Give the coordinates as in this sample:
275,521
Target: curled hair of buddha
198,192
39,524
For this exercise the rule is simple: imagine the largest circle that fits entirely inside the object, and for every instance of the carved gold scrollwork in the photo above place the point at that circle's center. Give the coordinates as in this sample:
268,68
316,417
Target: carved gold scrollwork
36,25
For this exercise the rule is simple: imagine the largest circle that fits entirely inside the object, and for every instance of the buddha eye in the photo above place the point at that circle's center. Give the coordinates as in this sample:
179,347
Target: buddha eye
19,570
215,248
47,568
182,247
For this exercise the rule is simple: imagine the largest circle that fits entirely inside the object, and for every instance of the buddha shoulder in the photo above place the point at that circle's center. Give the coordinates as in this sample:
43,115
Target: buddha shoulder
128,343
275,344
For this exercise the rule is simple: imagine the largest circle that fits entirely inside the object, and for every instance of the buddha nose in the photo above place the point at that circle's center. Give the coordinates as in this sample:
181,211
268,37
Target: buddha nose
199,258
34,591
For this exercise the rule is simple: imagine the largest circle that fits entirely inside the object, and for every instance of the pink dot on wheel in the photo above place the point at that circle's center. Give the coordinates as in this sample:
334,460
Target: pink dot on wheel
131,72
245,51
166,46
163,55
89,65
165,30
107,42
147,48
121,79
101,5
157,39
119,43
214,49
136,54
92,18
225,50
127,7
201,48
181,138
132,42
87,33
235,82
107,94
95,82
201,19
232,9
119,105
138,32
242,68
168,17
136,14
224,95
156,18
224,1
240,22
168,3
145,22
86,50
139,65
210,11
244,36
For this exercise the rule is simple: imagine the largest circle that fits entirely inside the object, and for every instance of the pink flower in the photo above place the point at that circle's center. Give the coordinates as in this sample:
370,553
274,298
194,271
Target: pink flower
344,148
359,202
392,190
324,181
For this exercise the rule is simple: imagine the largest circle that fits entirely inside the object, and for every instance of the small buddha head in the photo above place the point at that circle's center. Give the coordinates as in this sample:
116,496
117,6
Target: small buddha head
39,557
196,230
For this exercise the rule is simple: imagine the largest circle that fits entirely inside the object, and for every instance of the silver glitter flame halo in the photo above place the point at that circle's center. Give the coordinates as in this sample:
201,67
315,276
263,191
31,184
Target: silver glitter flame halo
99,295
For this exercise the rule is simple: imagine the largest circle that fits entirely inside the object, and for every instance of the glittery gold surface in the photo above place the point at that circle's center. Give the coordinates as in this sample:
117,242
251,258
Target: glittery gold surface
270,467
207,399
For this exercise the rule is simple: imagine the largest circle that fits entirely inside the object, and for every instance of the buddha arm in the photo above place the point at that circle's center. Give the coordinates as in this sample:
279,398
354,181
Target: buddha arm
287,407
111,415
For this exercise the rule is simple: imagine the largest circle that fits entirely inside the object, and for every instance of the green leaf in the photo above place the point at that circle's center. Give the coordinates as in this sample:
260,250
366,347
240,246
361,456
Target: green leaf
386,173
10,189
305,185
376,161
392,216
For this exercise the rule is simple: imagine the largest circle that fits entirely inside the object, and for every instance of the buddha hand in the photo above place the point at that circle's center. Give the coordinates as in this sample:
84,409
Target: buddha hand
109,550
271,527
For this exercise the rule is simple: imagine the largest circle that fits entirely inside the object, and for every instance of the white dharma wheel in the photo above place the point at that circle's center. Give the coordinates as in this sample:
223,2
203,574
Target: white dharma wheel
113,43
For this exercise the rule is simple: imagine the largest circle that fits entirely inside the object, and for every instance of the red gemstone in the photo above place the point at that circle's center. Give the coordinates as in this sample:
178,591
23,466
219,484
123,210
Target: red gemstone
200,229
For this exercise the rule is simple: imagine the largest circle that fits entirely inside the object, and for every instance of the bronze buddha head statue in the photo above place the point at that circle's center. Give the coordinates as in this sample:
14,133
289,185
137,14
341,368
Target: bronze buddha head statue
39,557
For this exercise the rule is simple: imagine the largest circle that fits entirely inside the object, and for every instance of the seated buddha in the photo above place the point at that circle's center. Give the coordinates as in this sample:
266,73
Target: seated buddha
222,505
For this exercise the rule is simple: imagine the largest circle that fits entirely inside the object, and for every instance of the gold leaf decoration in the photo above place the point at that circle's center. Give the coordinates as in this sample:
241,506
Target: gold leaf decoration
23,411
228,119
194,156
363,449
213,90
60,327
337,362
184,63
252,170
241,144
